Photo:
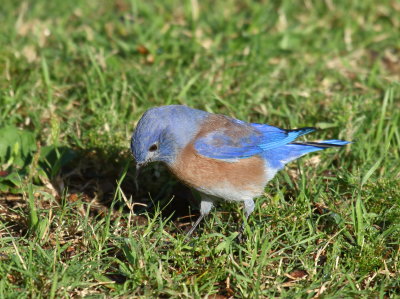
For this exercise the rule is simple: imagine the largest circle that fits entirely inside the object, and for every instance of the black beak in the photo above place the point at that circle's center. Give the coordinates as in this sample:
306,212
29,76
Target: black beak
138,167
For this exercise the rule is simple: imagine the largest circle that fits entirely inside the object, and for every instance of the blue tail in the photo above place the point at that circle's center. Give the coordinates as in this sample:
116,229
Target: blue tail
278,157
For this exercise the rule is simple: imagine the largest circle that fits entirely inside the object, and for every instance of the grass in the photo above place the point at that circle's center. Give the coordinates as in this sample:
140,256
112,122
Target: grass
77,75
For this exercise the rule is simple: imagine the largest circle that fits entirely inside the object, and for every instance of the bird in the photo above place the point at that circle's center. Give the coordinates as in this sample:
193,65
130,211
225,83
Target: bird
223,158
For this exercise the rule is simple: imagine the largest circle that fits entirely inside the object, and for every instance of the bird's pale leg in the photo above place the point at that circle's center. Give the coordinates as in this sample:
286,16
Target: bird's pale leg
205,208
248,209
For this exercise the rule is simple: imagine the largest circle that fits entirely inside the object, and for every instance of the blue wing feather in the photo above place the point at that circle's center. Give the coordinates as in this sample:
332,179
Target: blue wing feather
253,139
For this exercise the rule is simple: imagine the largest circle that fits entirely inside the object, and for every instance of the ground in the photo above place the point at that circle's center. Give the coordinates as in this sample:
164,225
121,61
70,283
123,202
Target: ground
77,75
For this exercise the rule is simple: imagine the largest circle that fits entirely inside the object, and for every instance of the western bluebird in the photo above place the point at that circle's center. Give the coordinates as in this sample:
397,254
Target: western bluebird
219,156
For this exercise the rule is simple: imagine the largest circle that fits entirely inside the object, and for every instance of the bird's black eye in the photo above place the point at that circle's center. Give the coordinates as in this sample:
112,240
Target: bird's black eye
153,148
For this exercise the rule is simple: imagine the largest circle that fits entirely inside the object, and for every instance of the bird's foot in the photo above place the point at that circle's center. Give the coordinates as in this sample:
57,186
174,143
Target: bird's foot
241,237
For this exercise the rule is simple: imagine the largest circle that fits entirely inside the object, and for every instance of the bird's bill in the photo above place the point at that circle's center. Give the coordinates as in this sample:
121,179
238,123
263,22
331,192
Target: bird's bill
139,166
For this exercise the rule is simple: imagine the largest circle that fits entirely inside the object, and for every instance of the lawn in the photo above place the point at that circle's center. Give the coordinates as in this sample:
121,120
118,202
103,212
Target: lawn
75,77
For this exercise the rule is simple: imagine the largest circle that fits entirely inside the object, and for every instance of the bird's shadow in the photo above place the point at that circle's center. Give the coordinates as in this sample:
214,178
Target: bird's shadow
96,174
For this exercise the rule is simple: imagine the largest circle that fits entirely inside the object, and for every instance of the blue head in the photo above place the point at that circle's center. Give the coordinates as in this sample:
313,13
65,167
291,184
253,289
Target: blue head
163,131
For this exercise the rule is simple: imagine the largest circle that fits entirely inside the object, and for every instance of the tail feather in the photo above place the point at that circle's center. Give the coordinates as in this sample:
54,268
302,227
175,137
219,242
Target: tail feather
325,143
278,157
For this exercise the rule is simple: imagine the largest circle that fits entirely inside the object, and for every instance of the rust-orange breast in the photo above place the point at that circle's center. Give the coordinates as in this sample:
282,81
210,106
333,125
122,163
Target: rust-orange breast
202,172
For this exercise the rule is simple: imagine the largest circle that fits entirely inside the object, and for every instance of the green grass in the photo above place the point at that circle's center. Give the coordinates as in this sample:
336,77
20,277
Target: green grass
76,77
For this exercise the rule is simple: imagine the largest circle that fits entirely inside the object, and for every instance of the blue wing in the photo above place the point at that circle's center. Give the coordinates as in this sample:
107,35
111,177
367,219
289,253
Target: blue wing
237,140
